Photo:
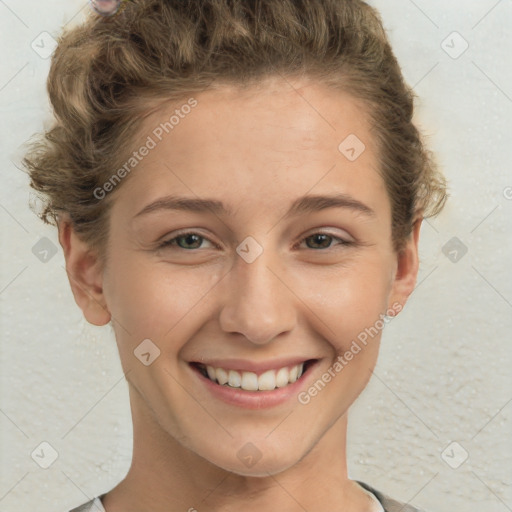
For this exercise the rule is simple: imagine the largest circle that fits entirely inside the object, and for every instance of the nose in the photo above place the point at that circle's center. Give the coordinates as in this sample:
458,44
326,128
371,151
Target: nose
259,303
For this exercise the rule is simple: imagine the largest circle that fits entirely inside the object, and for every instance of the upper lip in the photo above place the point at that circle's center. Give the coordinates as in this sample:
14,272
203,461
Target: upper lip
253,366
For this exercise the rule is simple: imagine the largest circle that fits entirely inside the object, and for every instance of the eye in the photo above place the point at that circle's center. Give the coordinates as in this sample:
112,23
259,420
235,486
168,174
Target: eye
192,240
323,241
185,241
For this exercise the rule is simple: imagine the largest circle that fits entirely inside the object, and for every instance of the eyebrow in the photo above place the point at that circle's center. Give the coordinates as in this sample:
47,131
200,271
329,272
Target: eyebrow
304,204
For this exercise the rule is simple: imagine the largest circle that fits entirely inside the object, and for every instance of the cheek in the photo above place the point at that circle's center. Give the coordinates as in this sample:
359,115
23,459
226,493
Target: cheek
150,298
156,300
348,302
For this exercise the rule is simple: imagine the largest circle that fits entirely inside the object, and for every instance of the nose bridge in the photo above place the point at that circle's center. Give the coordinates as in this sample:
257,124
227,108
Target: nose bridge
258,304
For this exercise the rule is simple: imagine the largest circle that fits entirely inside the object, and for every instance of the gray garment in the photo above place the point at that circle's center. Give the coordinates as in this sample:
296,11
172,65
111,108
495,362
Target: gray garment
389,504
94,505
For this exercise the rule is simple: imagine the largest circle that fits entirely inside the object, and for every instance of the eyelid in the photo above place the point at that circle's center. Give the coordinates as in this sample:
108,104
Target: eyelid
176,234
344,235
342,241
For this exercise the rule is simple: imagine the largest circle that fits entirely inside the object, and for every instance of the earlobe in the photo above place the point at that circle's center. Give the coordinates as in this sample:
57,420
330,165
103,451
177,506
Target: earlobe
84,271
407,268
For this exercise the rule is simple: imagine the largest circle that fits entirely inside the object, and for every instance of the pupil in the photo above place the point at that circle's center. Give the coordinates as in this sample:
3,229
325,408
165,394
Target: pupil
189,239
320,237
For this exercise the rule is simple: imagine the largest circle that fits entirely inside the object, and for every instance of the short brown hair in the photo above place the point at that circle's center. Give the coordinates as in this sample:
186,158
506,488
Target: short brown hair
108,72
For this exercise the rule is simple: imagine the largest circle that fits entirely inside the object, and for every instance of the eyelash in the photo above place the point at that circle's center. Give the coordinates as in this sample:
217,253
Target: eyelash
171,242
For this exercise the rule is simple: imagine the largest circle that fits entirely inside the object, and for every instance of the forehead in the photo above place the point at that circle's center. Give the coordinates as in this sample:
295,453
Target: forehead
260,143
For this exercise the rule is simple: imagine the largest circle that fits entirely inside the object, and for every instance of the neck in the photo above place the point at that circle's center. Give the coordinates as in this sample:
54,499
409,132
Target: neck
166,476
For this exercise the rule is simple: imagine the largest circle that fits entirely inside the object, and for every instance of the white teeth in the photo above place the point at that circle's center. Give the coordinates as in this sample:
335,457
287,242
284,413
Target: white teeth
211,372
267,381
235,380
221,375
249,381
282,378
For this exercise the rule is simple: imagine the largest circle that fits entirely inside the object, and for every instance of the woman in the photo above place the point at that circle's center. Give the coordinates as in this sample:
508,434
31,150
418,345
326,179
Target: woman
239,189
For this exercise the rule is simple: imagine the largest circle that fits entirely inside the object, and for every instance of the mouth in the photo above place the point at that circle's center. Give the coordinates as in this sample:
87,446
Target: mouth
259,381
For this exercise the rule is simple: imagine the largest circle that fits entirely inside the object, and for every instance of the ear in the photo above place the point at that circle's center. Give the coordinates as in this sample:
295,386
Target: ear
84,273
407,268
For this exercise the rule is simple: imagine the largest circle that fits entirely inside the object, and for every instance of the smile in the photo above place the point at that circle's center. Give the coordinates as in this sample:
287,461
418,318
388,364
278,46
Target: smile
255,385
250,381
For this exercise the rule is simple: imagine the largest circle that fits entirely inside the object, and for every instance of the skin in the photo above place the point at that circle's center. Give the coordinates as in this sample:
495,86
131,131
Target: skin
105,6
256,150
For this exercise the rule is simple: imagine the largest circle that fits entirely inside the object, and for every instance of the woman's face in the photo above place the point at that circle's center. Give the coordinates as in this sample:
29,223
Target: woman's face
271,285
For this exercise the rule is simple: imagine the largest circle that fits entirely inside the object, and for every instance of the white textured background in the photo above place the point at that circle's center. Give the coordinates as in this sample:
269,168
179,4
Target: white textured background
444,371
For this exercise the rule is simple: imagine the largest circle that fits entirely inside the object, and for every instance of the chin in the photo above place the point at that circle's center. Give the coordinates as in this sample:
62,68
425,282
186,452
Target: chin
260,469
251,461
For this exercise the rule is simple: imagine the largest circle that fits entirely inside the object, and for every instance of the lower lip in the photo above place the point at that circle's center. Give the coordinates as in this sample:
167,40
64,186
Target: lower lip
255,399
